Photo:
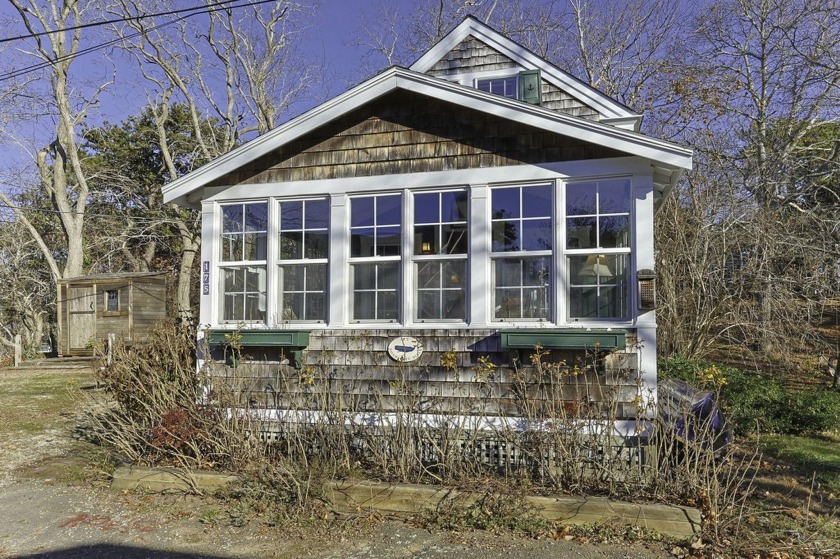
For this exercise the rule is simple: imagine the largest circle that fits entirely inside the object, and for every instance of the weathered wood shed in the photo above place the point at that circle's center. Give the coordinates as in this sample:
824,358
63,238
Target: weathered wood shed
91,307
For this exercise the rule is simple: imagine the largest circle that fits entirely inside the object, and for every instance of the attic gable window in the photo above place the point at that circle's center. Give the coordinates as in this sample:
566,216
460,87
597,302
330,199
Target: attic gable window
506,87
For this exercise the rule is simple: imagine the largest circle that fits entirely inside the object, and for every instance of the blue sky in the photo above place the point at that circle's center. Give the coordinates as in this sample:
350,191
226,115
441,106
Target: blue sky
330,40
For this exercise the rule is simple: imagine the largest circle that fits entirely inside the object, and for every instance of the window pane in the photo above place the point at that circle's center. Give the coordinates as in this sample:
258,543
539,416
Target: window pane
426,208
293,278
614,196
508,303
316,277
505,202
428,275
583,302
293,306
256,217
428,305
453,305
315,308
364,276
536,234
254,305
388,210
234,279
505,236
255,246
389,275
387,305
580,199
425,240
231,248
362,243
291,215
234,305
388,241
536,201
317,245
508,272
615,232
536,271
232,219
291,245
364,305
361,212
454,239
317,214
454,206
580,232
255,279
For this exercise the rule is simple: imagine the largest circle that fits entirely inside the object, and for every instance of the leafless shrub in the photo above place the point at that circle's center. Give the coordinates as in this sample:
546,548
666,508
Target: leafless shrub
309,427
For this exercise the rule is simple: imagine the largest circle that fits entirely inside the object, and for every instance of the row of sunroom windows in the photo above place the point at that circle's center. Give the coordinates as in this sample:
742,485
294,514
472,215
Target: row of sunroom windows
521,251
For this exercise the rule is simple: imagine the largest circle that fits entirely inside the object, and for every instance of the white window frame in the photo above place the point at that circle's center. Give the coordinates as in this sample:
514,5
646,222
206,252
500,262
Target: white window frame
398,260
597,252
417,260
499,76
521,254
280,262
223,265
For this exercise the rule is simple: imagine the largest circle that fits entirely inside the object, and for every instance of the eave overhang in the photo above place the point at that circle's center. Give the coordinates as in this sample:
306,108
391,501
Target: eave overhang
661,153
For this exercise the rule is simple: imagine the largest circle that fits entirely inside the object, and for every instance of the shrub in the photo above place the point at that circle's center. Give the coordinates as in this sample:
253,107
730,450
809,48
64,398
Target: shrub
759,403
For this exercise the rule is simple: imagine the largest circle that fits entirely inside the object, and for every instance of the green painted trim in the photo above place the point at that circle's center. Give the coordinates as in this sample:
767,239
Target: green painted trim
272,338
562,339
530,87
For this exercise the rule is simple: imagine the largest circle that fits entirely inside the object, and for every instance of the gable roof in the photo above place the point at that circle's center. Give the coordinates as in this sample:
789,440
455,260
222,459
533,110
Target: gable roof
611,111
662,153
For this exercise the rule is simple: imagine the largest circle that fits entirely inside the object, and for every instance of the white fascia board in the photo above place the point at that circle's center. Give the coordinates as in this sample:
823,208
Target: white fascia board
632,143
607,107
179,189
625,141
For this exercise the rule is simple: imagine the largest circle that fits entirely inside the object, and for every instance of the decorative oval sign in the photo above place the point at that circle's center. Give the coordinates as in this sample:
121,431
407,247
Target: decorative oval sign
405,349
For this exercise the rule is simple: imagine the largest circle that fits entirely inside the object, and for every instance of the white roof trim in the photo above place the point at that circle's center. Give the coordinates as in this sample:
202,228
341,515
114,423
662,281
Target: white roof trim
632,143
607,107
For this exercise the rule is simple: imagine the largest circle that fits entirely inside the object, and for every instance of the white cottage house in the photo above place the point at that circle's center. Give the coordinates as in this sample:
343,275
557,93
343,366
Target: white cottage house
474,205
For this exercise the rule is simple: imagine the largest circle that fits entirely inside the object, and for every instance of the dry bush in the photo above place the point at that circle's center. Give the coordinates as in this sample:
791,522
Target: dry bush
163,411
308,429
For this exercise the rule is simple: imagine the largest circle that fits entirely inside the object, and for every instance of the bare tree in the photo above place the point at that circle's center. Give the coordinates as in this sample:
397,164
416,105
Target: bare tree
59,164
239,67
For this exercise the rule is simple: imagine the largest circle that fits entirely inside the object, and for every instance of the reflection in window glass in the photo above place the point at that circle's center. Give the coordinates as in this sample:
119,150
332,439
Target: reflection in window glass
244,232
601,213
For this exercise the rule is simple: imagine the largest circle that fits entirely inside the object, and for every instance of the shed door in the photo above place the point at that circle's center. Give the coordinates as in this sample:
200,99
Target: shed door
81,316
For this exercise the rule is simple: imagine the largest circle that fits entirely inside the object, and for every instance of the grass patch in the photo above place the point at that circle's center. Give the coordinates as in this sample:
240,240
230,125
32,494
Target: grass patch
814,455
38,402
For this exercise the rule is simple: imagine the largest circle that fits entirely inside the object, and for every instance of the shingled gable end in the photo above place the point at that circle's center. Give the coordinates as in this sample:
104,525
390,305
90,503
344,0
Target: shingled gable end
457,212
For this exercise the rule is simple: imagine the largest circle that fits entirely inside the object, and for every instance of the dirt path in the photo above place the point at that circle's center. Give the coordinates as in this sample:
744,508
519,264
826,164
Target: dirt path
54,504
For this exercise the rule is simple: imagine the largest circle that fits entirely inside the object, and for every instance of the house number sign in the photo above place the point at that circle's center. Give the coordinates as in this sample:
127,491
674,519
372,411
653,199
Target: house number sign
205,277
405,349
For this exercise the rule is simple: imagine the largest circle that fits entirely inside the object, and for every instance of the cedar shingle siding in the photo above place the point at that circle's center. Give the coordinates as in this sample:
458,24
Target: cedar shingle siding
407,133
471,55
